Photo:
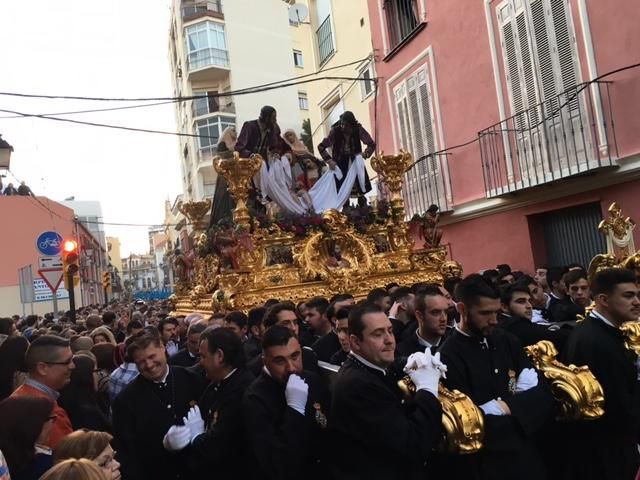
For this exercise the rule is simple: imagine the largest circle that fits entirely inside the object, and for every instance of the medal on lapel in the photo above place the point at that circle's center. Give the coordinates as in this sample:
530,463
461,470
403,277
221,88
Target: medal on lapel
512,382
214,418
321,418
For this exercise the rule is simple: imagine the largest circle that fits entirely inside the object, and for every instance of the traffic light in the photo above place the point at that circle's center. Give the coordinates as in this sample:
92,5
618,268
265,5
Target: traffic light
106,280
70,261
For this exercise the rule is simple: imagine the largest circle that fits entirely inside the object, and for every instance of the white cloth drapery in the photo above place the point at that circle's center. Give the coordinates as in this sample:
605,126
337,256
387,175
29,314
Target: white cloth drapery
276,182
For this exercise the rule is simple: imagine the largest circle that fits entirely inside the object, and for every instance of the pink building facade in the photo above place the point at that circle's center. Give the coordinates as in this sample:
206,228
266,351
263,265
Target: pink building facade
23,219
513,139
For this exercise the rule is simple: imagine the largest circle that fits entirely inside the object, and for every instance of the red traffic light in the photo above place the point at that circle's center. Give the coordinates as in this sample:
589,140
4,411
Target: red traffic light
70,246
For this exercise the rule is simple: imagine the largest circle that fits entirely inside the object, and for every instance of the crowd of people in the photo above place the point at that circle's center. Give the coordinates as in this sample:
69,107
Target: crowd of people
23,189
310,390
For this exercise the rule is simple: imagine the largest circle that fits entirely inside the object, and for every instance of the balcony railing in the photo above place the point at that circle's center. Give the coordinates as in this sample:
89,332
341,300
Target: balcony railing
325,40
208,57
427,183
567,135
190,10
210,105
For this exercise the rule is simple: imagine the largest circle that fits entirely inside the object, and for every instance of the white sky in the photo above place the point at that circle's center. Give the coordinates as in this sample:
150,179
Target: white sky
109,48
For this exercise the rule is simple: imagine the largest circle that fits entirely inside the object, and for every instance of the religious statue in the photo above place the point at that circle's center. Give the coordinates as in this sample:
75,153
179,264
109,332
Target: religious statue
619,232
430,231
335,258
181,265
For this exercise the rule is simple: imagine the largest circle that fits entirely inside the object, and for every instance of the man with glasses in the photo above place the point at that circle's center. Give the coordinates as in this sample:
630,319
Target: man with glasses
49,362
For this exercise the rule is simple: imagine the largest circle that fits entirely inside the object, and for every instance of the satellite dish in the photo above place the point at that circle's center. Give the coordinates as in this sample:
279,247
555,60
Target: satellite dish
298,13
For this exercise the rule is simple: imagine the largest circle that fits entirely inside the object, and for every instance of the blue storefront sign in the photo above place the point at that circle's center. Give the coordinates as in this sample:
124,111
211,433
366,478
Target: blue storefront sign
49,243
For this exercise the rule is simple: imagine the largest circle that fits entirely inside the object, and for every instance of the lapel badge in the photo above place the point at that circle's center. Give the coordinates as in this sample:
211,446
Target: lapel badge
512,382
214,418
321,418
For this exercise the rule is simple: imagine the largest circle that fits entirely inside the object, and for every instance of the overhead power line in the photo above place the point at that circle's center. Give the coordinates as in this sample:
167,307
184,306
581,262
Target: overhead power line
244,91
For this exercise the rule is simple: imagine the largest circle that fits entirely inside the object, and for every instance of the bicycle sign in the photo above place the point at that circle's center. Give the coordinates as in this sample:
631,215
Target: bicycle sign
49,243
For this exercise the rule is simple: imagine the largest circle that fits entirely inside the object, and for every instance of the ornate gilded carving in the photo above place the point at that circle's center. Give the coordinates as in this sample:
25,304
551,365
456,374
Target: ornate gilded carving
451,269
631,333
339,255
207,272
577,391
238,172
462,421
195,213
618,230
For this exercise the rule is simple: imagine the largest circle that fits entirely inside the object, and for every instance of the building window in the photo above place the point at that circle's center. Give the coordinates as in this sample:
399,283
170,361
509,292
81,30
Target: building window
303,101
425,182
297,59
402,19
539,52
541,69
367,84
210,129
206,45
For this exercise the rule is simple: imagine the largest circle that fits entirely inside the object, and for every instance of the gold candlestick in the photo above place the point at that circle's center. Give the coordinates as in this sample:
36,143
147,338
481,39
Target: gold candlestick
238,173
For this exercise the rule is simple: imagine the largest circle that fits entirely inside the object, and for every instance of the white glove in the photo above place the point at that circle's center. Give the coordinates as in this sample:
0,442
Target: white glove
527,379
425,370
194,422
296,393
176,438
492,407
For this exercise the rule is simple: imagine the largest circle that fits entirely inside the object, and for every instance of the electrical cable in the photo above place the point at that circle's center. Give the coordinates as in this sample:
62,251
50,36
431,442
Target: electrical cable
110,109
256,89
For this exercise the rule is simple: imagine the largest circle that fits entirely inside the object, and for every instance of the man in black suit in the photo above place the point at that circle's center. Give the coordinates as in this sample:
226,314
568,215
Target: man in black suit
489,365
375,434
431,309
606,448
190,355
253,345
516,315
328,345
284,314
148,407
285,413
216,435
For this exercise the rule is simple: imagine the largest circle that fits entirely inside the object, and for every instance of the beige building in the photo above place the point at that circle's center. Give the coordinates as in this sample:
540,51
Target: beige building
221,46
115,257
337,33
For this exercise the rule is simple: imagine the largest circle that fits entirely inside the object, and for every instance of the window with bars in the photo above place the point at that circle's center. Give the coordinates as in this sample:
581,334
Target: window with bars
402,19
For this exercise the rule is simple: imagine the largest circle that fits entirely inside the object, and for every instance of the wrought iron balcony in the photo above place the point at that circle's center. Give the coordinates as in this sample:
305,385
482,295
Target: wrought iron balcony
567,135
325,40
207,105
192,10
427,183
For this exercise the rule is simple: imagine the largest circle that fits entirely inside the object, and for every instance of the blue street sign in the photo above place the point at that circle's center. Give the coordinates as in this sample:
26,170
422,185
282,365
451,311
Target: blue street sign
49,243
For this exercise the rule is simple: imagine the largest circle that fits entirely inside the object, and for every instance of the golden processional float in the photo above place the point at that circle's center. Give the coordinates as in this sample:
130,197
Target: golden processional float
255,261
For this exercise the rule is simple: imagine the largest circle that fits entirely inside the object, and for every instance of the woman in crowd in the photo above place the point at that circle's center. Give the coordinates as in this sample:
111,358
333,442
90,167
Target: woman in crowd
105,365
80,399
12,366
26,422
102,335
92,445
74,469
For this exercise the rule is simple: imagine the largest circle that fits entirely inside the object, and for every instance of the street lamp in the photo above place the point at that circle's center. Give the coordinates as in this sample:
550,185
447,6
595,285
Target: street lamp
5,153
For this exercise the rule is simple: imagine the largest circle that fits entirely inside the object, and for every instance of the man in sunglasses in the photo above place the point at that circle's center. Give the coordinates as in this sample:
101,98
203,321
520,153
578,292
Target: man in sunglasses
49,362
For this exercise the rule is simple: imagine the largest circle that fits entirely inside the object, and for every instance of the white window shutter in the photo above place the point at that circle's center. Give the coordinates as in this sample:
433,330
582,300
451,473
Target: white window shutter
566,74
527,70
544,58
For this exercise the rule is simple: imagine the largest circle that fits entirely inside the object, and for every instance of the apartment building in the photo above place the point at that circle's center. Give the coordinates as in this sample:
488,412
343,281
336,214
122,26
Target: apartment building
516,138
